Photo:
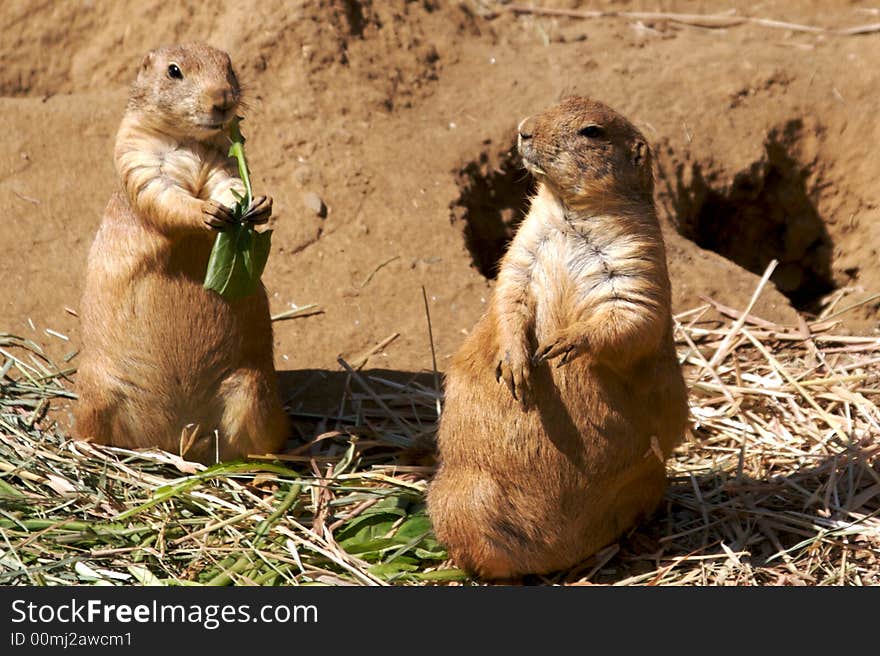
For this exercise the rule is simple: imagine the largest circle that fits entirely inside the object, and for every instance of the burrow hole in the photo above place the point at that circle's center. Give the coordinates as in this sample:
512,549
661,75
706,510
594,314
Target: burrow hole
494,197
767,213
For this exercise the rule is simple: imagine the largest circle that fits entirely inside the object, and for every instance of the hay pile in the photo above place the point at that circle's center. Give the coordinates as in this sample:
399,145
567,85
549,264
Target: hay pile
333,511
778,484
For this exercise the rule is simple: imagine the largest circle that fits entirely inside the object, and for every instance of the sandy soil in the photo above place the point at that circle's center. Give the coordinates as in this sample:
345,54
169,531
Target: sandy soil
400,117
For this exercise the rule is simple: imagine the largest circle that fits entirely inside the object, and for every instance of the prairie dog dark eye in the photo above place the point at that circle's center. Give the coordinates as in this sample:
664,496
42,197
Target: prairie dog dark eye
175,72
591,131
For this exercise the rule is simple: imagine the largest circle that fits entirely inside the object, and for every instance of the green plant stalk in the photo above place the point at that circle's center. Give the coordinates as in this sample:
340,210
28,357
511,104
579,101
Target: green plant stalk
441,575
75,526
6,488
225,577
268,577
282,508
236,150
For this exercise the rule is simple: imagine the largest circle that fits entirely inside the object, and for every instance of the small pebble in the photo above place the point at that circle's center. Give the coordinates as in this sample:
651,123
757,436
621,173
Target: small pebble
313,202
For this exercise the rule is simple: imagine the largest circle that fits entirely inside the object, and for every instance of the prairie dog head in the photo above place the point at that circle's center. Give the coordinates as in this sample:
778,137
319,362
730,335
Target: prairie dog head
587,153
186,90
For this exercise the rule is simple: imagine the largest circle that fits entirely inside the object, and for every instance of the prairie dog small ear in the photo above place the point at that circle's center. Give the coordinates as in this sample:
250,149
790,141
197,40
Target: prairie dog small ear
147,62
640,153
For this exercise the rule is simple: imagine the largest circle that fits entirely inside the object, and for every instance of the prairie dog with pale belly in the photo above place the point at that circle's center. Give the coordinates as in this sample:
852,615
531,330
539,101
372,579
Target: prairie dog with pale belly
166,363
567,395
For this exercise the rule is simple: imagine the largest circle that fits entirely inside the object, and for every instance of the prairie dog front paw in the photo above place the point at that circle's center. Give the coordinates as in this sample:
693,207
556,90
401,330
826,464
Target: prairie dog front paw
514,369
565,344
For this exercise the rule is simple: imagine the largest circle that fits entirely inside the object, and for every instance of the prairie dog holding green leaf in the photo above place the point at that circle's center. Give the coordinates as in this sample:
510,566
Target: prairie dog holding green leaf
166,363
566,398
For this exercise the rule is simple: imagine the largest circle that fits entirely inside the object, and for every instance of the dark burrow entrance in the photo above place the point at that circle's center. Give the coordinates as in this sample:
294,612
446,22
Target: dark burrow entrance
494,198
767,213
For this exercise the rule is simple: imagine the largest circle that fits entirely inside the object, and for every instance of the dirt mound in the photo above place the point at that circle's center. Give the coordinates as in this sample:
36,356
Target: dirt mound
400,115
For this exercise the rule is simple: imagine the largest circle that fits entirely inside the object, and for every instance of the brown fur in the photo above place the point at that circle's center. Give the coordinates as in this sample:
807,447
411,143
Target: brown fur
560,397
165,360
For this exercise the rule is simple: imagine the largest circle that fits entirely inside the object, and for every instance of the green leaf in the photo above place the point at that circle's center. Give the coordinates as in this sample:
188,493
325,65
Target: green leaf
365,528
399,566
368,547
239,255
413,527
260,251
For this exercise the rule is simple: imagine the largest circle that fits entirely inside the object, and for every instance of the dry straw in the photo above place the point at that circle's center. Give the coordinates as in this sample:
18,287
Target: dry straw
778,482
